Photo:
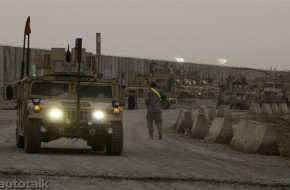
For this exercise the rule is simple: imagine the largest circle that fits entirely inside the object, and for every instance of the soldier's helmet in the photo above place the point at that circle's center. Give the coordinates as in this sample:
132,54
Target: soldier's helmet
153,83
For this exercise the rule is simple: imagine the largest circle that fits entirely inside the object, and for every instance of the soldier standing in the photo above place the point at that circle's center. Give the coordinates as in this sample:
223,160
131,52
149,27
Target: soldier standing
153,101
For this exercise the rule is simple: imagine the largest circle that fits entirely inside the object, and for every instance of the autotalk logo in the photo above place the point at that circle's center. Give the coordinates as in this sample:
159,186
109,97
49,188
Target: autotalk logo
27,184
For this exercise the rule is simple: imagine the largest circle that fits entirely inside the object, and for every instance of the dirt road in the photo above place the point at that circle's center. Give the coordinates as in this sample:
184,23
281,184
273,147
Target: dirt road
176,162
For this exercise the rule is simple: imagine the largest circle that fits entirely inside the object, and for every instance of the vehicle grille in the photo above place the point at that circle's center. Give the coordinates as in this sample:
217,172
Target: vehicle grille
84,115
73,103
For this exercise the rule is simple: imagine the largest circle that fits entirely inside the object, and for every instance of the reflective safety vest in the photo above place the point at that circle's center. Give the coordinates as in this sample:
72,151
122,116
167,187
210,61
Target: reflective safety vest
156,92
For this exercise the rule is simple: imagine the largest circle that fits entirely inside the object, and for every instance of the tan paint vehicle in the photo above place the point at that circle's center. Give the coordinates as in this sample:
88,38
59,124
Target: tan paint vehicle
49,106
140,84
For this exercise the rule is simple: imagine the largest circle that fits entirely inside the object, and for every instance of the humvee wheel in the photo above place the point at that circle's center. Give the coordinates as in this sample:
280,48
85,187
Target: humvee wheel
32,139
114,145
19,140
97,146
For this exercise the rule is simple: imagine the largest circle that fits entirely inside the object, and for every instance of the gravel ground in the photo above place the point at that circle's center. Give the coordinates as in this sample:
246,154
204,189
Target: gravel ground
176,162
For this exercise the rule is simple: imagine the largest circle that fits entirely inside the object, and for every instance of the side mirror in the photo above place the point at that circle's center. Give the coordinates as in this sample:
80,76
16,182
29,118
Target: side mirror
9,92
116,104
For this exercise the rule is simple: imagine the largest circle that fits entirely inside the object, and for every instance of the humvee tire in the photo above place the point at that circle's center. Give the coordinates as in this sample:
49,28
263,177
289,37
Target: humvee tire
19,140
114,145
32,139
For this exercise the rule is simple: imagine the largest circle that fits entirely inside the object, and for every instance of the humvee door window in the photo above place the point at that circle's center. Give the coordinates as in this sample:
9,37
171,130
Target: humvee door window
278,85
96,91
269,85
49,89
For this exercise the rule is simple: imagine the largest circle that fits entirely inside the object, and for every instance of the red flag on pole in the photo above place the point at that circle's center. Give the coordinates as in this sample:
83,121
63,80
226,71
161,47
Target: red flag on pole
27,30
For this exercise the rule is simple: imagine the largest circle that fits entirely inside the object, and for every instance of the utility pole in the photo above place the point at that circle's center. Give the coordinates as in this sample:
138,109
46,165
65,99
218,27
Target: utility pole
78,50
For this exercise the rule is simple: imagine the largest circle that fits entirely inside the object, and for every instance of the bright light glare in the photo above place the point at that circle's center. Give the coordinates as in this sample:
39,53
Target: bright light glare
98,115
222,61
55,114
179,59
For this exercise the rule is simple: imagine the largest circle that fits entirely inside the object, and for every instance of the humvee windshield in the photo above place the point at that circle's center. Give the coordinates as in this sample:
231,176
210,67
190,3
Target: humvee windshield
96,91
88,90
50,88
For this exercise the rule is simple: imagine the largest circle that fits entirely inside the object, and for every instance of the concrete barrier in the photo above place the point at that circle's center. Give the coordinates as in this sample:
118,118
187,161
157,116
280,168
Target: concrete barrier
254,109
212,113
180,111
255,137
275,109
199,127
220,131
266,109
204,110
185,121
224,111
283,109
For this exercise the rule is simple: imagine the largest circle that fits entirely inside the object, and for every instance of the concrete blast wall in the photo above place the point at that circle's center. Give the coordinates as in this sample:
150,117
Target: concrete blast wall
220,131
121,68
256,137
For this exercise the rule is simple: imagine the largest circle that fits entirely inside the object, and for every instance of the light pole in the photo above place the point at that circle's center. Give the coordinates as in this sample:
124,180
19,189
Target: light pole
181,60
222,61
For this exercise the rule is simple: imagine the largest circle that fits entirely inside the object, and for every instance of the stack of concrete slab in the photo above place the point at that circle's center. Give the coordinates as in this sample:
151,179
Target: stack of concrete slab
178,117
266,109
204,110
283,136
212,113
275,109
255,137
283,109
209,112
221,130
224,111
254,109
199,127
185,121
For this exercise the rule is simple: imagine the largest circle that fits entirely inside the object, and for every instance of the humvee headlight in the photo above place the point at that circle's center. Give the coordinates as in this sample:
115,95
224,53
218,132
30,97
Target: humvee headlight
98,115
55,114
36,109
116,111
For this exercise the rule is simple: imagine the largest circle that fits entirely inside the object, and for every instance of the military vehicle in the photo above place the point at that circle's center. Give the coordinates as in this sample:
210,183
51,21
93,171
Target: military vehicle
181,87
273,89
190,90
67,100
271,92
140,84
238,93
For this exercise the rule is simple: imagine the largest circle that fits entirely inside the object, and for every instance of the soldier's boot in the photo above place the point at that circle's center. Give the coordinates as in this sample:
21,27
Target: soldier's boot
160,134
150,135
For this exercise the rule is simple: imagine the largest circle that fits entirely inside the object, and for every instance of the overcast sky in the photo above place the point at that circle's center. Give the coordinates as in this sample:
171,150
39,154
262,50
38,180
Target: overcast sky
248,33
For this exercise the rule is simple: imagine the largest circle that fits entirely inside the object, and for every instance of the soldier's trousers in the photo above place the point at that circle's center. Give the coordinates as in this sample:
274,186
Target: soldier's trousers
155,116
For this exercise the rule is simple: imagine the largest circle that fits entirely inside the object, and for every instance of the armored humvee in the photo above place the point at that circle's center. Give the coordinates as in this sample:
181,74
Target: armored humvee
67,100
140,84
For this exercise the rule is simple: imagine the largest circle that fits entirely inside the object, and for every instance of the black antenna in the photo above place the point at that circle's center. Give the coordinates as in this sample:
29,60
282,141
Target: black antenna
68,55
